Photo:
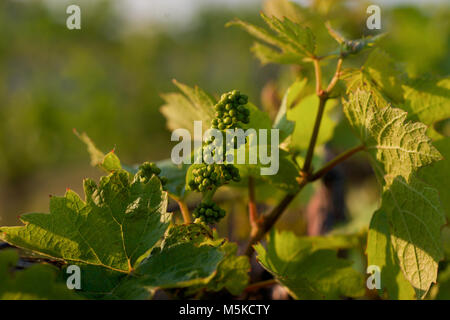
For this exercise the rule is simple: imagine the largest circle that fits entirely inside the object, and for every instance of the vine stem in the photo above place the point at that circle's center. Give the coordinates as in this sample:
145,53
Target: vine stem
336,76
184,211
315,134
331,164
262,284
318,75
266,222
252,211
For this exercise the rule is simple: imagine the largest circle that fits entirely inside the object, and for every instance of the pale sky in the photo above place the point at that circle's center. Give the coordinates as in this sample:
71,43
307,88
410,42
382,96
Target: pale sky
182,10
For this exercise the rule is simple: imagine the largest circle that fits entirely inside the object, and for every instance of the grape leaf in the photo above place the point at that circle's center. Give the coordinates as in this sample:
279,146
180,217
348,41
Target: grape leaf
380,75
177,266
397,149
106,284
109,236
181,110
37,282
129,215
307,271
396,146
381,253
294,42
232,272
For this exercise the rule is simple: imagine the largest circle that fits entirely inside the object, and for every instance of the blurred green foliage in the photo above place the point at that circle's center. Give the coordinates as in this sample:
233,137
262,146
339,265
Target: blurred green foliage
99,81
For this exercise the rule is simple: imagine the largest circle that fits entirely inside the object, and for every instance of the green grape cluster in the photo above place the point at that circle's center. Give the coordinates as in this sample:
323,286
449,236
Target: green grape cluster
148,169
210,176
230,110
209,212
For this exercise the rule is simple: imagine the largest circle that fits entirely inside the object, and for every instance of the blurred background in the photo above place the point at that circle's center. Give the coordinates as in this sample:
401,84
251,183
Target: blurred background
105,79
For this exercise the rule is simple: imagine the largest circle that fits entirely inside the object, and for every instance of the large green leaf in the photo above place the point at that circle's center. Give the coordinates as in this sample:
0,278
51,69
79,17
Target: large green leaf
378,74
113,235
294,43
37,282
106,284
381,253
307,270
232,272
117,223
397,149
181,265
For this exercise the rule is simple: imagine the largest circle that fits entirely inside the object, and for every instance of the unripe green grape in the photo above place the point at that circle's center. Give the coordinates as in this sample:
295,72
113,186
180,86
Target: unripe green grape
209,212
